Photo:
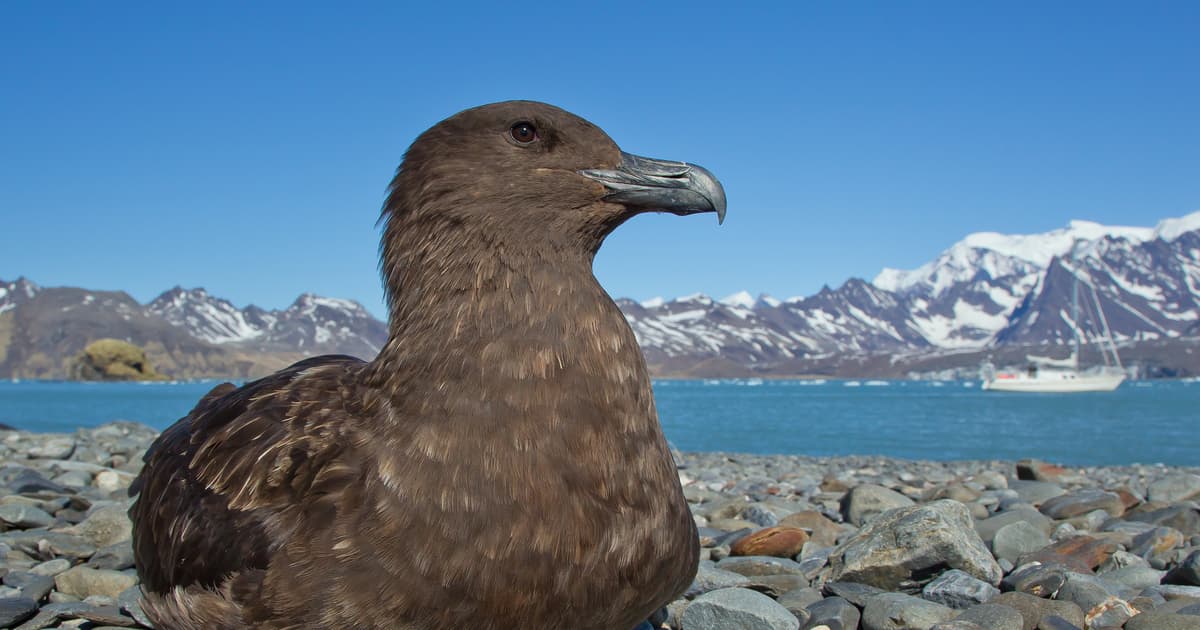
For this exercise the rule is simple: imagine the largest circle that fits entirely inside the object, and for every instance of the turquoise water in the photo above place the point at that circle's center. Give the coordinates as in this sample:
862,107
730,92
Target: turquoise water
1143,421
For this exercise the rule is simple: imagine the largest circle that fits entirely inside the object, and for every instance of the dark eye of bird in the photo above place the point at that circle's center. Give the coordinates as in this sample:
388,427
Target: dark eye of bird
523,132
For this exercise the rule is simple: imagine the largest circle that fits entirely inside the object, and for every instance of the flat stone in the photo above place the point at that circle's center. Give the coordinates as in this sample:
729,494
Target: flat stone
834,613
1187,573
862,503
1134,578
30,481
14,610
32,585
1034,609
130,602
853,592
901,547
1157,541
1181,517
782,542
797,601
737,609
1174,488
1037,470
85,581
24,516
1079,553
1152,620
897,611
1036,492
994,617
751,566
957,624
959,590
1086,591
1113,612
104,526
1054,622
821,530
117,556
1081,502
56,447
776,585
1040,580
1018,539
52,567
710,578
988,527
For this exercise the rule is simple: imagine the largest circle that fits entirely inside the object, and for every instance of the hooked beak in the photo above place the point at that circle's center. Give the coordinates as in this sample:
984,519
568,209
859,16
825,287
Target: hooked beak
661,186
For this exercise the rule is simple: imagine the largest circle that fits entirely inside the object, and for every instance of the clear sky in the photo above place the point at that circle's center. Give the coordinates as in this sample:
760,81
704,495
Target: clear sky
245,147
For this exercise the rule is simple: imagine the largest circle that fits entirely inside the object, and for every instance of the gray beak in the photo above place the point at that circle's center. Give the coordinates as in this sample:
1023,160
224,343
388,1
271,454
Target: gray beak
661,186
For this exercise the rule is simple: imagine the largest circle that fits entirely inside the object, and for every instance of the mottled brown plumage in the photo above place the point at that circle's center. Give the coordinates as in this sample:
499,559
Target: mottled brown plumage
499,465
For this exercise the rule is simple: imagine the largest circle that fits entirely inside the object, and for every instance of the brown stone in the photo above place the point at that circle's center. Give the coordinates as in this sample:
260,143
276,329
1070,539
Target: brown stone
781,542
821,530
1034,470
1128,499
1080,553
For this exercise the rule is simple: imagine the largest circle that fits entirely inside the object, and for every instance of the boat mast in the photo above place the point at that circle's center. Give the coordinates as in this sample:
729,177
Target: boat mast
1075,308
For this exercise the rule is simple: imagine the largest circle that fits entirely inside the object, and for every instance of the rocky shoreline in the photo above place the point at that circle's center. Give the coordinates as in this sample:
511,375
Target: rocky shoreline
788,542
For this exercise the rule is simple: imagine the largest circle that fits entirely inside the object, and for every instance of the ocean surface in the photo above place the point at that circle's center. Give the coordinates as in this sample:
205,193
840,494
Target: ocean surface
1143,421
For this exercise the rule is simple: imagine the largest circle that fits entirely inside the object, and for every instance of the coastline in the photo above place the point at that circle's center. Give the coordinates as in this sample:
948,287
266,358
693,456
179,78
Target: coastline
788,541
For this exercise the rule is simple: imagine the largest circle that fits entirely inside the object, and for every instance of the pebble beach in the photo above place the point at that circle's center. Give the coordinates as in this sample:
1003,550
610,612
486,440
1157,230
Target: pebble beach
787,542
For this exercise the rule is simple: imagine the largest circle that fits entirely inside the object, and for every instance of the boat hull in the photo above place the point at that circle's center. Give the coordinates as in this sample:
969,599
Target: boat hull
1067,383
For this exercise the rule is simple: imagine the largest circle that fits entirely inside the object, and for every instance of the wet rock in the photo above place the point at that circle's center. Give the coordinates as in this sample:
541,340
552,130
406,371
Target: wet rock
864,502
737,609
897,611
904,545
959,590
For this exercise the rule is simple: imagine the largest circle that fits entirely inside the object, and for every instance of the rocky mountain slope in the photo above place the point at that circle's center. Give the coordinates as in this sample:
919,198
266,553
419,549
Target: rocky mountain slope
989,294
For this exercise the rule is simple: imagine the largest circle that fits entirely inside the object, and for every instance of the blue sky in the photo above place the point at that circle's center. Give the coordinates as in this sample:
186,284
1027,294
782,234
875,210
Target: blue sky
245,147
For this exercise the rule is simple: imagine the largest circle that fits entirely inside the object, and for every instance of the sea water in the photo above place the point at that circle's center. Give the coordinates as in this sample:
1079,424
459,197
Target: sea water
1143,421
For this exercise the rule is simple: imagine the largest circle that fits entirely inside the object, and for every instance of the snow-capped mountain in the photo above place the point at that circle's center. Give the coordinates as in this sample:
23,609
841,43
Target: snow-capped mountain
989,293
311,325
986,291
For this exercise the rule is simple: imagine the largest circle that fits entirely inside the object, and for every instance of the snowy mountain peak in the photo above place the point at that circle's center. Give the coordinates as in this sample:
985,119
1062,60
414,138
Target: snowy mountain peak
741,298
653,302
1000,255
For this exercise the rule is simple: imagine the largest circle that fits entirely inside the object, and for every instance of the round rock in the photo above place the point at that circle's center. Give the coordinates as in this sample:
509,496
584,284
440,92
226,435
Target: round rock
737,609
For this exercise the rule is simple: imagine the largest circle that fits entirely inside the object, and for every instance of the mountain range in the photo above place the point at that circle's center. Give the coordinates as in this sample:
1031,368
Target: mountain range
988,294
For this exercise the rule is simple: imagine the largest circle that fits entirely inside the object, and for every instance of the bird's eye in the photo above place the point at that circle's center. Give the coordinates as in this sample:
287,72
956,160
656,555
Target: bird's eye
523,132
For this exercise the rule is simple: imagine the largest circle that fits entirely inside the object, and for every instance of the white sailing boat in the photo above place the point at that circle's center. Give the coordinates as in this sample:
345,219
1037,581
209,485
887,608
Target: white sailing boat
1063,375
